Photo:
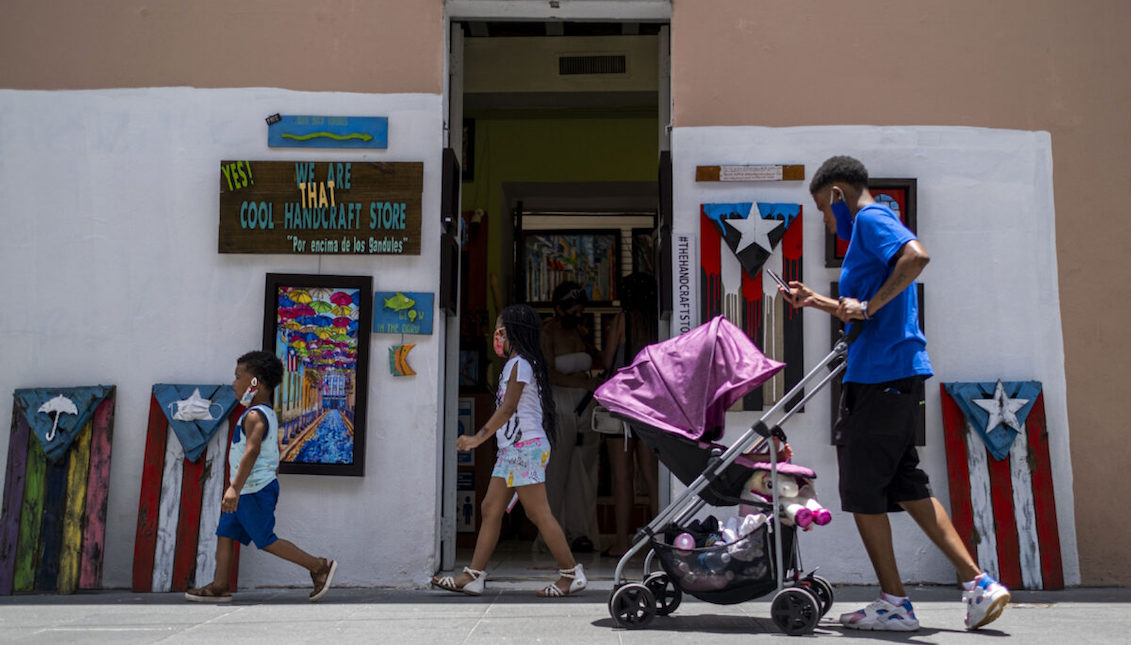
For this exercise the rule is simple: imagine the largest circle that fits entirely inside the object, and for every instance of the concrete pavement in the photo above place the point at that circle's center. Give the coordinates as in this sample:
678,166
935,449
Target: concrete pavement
509,613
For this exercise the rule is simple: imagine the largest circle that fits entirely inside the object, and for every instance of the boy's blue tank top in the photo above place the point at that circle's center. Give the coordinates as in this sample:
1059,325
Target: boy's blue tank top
263,472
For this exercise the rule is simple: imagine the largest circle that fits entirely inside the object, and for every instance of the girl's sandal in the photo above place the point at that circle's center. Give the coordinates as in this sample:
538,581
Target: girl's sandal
208,593
473,587
577,574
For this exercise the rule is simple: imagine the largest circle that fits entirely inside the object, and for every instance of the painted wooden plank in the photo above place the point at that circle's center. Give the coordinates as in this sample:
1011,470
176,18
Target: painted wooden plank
27,550
213,492
97,494
167,513
1044,496
13,500
1024,515
51,528
145,541
188,524
1001,491
958,471
981,504
751,172
74,509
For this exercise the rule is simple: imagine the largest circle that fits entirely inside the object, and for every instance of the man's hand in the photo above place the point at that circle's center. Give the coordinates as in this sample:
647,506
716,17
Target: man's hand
849,309
231,500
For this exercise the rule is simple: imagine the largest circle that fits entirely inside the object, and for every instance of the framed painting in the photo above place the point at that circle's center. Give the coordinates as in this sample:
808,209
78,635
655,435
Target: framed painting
590,258
319,326
897,194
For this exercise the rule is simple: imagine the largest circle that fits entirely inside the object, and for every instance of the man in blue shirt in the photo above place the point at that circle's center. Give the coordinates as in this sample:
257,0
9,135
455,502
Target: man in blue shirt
883,396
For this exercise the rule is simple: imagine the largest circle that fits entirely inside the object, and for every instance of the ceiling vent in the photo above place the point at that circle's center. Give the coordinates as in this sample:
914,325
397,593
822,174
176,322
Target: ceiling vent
594,64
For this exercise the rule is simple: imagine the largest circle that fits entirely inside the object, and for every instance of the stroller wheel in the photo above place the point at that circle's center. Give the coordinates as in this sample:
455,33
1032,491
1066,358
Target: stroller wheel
667,595
822,589
632,606
795,610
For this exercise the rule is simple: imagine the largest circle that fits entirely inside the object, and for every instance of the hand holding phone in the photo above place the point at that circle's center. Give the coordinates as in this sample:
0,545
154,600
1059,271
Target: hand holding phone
781,283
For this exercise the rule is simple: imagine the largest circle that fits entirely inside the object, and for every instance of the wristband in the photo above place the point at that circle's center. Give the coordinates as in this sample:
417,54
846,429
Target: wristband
864,310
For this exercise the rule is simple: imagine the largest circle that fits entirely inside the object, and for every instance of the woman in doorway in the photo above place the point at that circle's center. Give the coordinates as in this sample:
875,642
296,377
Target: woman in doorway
631,330
571,477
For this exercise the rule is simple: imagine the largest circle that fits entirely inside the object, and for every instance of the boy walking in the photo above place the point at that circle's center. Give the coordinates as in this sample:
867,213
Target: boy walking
247,512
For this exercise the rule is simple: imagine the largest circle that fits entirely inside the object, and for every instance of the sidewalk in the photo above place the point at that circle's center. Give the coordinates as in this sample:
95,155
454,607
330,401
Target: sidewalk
509,613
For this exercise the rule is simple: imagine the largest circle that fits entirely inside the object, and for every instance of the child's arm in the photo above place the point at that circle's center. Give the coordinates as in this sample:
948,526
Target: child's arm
254,429
502,413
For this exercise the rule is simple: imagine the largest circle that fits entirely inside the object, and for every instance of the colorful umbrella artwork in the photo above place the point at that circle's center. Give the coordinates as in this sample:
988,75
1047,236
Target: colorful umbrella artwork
321,306
342,298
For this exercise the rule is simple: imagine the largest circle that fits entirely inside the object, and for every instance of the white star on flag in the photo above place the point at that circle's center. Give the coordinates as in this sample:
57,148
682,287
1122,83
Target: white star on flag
1002,409
754,230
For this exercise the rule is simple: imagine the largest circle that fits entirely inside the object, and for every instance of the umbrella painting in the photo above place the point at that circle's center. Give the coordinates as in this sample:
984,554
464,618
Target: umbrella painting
320,403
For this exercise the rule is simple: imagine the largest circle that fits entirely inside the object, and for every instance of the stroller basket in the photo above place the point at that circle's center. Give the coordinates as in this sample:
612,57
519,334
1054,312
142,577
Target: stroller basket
727,574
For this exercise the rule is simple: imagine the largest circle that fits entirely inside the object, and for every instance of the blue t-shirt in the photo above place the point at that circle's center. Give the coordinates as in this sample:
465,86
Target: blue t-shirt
891,345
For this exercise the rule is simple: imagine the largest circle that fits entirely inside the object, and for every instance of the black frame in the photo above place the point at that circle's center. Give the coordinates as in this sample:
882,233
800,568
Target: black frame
614,233
879,185
361,373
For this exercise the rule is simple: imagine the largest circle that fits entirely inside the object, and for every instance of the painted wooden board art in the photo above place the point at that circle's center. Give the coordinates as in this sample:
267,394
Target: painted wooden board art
314,131
736,242
53,519
1002,494
182,482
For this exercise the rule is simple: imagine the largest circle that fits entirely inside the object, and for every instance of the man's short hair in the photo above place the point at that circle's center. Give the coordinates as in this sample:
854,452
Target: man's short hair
843,169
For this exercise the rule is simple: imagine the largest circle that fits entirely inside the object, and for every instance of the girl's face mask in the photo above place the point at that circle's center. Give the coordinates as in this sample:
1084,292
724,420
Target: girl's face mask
501,342
842,215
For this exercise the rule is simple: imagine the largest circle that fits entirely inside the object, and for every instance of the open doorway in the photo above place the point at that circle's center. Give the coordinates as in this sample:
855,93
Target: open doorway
560,129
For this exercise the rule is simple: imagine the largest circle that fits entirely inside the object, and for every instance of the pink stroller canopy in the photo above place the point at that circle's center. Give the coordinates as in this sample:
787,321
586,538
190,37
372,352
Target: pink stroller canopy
684,385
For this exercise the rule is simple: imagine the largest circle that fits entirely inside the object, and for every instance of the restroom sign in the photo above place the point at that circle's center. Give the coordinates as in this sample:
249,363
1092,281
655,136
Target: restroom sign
321,208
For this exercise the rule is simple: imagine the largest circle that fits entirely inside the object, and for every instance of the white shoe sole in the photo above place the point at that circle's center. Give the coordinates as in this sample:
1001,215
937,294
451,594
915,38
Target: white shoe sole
329,580
993,612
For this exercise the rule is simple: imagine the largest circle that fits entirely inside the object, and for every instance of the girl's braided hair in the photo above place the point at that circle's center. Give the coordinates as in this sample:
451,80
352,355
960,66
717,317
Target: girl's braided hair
522,325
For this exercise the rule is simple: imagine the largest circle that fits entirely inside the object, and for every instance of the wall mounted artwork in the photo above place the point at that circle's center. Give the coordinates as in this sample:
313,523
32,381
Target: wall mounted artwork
1002,493
897,194
182,482
318,325
53,518
311,131
736,241
590,258
398,360
403,312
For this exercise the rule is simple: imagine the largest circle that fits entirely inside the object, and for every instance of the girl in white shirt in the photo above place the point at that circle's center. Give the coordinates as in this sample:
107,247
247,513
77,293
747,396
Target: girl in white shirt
523,424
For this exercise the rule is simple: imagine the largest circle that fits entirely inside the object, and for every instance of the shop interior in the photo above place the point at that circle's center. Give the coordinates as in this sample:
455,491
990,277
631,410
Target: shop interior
562,131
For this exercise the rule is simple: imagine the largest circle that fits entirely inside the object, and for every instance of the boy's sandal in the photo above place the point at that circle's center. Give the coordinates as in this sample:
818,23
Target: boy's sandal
473,587
322,579
576,574
208,593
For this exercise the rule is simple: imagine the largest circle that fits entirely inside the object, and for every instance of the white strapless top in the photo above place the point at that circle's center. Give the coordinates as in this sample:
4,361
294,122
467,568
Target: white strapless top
573,363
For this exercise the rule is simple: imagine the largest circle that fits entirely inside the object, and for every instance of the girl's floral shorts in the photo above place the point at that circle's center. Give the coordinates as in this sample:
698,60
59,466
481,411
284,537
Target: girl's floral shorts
523,463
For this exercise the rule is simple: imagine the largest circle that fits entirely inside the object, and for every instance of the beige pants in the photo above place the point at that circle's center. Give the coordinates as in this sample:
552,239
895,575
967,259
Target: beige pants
571,475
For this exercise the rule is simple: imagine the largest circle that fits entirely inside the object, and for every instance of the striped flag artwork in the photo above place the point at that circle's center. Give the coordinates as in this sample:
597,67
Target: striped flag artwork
182,483
53,518
736,242
1002,493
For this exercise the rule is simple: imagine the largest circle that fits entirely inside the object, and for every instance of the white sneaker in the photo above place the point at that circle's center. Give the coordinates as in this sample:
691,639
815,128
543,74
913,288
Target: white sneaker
985,602
881,615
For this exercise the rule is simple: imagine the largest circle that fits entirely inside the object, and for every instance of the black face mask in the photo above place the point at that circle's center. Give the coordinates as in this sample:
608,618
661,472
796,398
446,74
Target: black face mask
570,321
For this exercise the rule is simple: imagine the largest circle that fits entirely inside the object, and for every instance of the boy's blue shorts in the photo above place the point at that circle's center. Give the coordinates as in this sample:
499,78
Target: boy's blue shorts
254,519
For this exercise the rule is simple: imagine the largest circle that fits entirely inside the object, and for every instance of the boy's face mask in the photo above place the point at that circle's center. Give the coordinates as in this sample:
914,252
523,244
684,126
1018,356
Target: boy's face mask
842,215
249,393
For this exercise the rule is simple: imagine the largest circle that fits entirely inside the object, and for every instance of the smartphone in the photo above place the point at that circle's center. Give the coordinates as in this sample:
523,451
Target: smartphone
781,283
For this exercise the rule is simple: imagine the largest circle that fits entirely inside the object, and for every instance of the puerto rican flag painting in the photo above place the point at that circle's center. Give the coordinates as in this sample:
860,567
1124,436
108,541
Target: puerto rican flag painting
1002,494
736,242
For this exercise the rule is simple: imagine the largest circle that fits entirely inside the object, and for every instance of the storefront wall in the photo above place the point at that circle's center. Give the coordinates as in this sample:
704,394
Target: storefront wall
110,236
1022,68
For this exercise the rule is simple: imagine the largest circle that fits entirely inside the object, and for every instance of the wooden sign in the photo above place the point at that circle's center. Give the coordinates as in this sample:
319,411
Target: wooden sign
757,172
321,208
310,131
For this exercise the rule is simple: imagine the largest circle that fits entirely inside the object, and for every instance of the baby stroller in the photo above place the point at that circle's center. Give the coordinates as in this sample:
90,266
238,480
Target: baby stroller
674,397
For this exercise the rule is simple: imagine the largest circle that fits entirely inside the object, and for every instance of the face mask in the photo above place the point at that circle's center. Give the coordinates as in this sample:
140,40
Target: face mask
570,321
195,408
500,343
249,394
843,218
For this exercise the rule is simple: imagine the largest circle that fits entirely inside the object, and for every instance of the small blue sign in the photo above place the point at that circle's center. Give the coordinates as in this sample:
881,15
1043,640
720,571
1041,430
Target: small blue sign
306,131
403,312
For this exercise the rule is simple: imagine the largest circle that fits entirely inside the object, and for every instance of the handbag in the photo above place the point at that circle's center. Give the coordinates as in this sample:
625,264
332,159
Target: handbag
604,422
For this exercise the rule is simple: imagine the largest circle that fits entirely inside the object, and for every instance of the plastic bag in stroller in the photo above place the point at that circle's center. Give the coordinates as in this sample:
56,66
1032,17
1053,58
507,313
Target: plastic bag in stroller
674,396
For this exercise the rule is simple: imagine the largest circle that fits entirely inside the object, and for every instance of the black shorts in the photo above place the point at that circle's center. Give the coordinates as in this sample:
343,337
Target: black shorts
875,445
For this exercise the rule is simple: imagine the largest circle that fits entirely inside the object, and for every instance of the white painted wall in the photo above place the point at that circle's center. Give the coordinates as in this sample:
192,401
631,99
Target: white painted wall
985,214
109,213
